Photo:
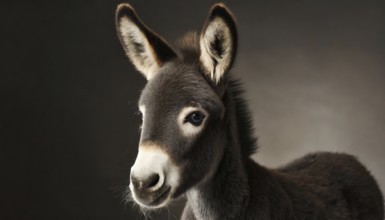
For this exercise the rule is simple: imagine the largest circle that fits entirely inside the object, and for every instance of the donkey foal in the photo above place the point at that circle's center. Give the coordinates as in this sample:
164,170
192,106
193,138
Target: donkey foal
197,138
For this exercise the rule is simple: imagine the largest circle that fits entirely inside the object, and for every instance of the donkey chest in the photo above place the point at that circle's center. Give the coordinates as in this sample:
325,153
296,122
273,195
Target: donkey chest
198,207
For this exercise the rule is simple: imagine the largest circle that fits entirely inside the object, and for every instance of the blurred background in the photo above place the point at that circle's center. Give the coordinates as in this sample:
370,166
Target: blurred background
314,74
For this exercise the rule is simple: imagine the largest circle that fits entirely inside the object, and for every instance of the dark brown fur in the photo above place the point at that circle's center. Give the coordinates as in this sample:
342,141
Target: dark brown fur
318,186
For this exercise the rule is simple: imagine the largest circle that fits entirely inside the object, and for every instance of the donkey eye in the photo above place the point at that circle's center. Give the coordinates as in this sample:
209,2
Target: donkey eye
195,118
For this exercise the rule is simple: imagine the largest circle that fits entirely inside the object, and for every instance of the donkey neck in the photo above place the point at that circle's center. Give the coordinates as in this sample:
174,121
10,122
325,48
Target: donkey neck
226,194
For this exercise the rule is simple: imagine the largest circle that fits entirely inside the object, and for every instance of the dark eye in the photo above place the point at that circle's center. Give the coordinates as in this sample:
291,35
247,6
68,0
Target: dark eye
195,118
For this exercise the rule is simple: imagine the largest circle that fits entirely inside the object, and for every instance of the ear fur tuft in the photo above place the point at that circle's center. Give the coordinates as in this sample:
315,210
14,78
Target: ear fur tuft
218,42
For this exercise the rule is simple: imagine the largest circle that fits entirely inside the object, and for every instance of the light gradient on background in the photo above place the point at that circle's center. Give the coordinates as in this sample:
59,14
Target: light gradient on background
314,74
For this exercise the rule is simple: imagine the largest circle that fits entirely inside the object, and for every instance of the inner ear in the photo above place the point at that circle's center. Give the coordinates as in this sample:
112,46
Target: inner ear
145,49
218,42
217,38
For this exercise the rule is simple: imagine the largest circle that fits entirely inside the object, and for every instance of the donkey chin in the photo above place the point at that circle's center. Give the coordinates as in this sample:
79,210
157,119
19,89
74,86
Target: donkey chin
153,178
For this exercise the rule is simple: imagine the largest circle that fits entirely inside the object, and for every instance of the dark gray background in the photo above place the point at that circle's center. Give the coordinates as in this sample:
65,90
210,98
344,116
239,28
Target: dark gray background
314,72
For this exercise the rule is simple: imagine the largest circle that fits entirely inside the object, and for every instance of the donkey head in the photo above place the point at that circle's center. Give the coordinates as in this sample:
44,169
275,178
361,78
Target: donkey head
184,129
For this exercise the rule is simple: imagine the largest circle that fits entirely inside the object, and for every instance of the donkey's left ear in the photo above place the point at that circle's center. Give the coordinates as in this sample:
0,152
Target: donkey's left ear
218,42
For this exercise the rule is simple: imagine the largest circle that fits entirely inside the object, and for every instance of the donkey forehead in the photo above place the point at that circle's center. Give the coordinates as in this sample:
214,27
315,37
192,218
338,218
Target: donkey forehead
178,85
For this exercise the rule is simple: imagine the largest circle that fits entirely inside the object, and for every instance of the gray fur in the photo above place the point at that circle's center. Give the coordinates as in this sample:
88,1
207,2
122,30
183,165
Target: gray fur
219,178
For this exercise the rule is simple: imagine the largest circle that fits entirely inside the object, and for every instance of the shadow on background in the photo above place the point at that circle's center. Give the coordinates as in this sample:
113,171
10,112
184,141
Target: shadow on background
314,74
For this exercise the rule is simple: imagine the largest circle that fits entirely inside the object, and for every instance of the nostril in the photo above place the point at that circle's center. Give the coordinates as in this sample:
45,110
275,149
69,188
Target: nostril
135,181
146,182
152,180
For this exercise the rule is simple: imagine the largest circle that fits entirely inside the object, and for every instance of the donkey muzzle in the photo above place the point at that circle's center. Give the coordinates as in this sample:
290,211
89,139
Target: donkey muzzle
153,176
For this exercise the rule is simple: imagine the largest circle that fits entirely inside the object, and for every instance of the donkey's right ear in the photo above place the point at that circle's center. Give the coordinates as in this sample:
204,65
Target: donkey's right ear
146,50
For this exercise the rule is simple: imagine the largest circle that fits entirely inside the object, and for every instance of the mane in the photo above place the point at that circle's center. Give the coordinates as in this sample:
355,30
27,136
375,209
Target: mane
248,141
188,45
190,52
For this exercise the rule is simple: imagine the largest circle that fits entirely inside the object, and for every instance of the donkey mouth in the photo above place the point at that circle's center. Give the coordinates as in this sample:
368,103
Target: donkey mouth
160,198
152,200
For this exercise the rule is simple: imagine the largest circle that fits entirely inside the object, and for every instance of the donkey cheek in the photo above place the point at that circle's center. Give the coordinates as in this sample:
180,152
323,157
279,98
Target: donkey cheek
186,183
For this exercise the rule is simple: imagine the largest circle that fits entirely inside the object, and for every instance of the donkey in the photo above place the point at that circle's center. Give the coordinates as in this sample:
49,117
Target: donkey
197,137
